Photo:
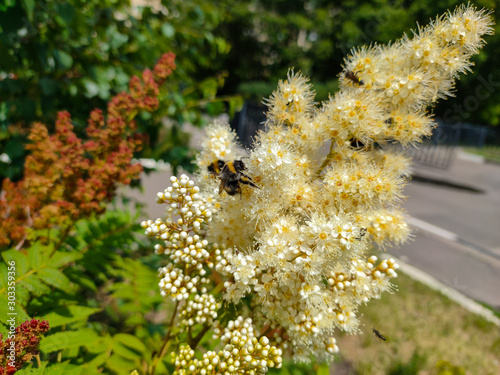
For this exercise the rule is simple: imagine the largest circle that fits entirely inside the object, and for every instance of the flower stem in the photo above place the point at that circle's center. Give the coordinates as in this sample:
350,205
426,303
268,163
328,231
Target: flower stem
165,342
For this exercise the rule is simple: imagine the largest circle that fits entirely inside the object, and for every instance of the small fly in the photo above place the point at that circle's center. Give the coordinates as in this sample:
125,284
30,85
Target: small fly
379,335
350,75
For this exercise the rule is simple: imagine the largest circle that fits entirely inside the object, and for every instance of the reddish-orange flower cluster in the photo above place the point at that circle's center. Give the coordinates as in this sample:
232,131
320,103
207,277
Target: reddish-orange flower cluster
67,178
22,346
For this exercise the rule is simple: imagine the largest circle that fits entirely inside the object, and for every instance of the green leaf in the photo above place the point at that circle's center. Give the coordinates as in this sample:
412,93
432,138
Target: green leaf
31,370
63,59
123,351
118,39
48,85
67,12
131,342
209,87
22,294
35,254
235,104
21,262
69,314
70,339
323,369
16,309
57,368
34,285
60,259
98,360
92,89
4,276
54,277
167,30
4,306
121,365
29,6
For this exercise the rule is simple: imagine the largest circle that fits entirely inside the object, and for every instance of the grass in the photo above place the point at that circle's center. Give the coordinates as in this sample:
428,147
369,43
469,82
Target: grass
491,153
426,334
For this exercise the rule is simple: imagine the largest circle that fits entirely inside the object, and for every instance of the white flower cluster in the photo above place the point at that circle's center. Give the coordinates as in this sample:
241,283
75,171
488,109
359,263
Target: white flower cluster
175,284
297,247
201,310
180,232
243,353
406,76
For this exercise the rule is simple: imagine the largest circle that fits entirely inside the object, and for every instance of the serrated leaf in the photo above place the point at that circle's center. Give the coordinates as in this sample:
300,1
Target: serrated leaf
71,352
54,277
32,370
86,282
21,262
104,345
22,295
36,253
69,314
98,360
57,368
70,339
4,305
123,351
4,276
60,258
15,311
120,364
130,341
34,285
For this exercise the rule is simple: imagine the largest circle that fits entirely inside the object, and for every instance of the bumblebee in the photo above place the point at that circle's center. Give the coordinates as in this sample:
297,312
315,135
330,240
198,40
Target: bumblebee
353,77
230,174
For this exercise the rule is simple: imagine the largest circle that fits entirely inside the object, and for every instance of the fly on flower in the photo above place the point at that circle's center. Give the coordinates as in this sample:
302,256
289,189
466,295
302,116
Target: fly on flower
350,75
230,175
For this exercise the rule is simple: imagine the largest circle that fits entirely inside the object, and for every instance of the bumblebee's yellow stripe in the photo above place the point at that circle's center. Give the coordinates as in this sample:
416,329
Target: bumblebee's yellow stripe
215,167
230,166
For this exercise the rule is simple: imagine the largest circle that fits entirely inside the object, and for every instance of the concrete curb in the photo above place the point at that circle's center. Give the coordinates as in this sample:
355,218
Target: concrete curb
462,155
445,290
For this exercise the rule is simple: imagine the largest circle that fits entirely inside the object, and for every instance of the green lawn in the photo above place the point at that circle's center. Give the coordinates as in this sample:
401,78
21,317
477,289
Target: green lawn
491,153
426,334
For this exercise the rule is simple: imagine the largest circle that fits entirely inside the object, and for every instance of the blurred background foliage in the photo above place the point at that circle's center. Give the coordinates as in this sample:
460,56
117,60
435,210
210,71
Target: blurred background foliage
75,54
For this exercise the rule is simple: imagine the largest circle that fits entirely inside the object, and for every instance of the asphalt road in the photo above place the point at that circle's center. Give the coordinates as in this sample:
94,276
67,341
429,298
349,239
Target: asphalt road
457,231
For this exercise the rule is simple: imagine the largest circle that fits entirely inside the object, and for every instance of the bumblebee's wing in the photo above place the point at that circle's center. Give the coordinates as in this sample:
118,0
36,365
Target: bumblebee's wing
221,186
244,179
